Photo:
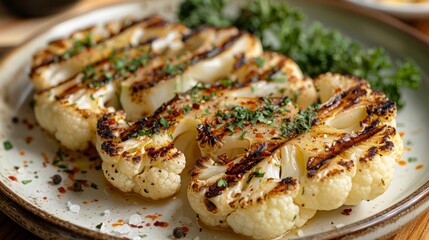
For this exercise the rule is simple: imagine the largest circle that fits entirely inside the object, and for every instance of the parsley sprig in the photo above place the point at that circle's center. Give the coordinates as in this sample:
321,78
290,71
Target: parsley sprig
79,45
316,48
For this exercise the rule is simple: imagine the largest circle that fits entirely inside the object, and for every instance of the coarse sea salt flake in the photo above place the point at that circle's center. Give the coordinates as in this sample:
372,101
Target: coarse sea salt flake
300,233
135,219
74,208
106,213
122,229
340,225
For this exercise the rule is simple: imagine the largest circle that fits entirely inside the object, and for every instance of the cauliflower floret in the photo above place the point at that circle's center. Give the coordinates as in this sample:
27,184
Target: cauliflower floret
70,112
148,165
268,219
247,194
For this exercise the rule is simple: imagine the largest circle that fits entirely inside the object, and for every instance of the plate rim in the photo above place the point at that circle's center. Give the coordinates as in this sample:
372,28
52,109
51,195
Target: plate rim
364,226
402,10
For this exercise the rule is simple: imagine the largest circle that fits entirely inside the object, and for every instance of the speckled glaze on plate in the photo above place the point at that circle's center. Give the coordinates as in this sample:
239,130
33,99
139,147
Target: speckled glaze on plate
28,196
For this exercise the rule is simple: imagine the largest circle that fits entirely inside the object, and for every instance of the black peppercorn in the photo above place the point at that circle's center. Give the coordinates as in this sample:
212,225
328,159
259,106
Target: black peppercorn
56,179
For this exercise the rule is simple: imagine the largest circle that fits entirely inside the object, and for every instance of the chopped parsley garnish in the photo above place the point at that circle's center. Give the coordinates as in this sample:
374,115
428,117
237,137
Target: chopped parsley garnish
93,185
79,45
302,122
170,69
242,135
25,182
151,128
316,48
412,159
59,154
222,183
164,122
99,226
259,62
120,66
258,173
7,145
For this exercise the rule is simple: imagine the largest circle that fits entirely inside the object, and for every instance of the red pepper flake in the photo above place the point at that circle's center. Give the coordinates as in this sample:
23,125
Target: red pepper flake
195,106
259,135
402,163
27,123
153,217
28,139
45,198
75,170
118,223
84,202
22,153
61,190
273,131
347,211
147,224
185,229
161,224
13,178
45,158
207,120
418,167
401,134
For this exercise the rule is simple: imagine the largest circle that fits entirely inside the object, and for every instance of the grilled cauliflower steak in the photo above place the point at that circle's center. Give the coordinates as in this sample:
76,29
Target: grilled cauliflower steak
64,58
71,109
347,156
119,143
271,145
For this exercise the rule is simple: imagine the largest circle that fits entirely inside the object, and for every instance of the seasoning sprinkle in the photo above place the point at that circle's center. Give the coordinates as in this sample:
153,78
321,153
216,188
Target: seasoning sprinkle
25,182
222,183
7,145
56,179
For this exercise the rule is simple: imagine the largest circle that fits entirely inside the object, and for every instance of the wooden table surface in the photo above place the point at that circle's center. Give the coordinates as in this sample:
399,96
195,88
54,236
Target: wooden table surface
18,30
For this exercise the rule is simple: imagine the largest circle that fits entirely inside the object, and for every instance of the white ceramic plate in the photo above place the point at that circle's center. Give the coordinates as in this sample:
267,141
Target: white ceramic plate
401,10
25,170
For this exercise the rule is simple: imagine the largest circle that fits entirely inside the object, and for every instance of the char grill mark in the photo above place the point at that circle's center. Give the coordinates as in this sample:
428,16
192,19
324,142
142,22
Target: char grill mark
160,152
315,164
205,135
346,99
217,50
236,172
382,108
152,21
110,148
157,75
104,125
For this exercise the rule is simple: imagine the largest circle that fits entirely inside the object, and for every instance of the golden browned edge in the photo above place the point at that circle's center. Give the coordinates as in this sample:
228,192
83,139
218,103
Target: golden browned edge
20,209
